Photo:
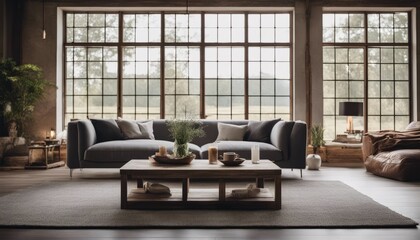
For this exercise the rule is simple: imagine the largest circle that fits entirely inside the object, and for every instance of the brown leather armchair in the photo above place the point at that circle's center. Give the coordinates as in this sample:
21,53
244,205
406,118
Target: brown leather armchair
393,154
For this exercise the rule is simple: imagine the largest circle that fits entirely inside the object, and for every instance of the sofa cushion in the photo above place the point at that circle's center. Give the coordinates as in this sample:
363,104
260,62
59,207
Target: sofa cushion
125,150
260,131
106,130
243,148
136,130
401,164
230,132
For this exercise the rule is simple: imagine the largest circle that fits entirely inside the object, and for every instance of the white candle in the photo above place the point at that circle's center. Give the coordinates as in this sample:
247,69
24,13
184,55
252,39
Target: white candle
255,153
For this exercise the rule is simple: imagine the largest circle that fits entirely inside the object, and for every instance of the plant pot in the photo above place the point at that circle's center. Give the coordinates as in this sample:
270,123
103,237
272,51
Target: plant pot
313,161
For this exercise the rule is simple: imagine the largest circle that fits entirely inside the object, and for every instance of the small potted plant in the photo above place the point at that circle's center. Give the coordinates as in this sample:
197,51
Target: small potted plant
184,131
313,161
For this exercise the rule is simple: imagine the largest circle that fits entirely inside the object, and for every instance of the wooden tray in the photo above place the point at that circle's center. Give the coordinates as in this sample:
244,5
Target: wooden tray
175,161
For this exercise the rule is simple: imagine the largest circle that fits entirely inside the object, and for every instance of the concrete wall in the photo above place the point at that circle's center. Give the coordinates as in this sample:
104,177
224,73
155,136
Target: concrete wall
44,52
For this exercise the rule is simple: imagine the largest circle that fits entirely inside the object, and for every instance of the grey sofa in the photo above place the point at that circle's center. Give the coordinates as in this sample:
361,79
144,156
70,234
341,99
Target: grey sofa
287,147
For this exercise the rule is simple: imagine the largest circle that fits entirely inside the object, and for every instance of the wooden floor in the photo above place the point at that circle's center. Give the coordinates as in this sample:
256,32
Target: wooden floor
399,196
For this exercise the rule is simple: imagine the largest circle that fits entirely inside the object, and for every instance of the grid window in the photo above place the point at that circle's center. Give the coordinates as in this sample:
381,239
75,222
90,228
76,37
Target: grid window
162,67
269,83
182,28
91,82
182,82
343,70
343,27
388,88
225,85
141,28
388,28
269,28
225,28
91,27
141,83
384,77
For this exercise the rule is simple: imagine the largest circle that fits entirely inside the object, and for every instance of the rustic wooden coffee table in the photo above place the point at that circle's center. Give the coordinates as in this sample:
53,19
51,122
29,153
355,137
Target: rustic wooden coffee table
186,198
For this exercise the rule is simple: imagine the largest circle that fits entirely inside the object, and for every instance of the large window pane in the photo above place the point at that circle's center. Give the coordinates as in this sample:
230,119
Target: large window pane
188,57
387,96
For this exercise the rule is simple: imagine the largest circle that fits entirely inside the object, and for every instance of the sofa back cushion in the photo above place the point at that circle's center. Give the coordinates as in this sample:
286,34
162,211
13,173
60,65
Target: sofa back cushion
106,130
260,131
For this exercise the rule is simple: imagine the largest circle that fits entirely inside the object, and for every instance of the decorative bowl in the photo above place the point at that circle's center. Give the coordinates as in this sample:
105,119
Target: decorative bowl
235,162
170,159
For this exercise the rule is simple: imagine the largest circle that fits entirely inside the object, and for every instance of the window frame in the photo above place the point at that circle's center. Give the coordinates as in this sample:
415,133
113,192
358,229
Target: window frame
366,45
202,44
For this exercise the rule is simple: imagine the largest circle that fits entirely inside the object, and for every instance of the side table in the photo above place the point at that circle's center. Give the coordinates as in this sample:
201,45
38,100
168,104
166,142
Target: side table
47,159
340,154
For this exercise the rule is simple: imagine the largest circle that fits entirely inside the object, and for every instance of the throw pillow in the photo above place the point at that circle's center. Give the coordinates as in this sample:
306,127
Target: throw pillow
136,130
230,132
146,129
260,131
413,126
106,130
129,129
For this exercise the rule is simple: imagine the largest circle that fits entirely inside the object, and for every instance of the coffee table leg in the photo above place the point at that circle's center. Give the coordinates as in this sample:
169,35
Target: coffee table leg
277,189
139,183
260,182
185,189
222,190
123,191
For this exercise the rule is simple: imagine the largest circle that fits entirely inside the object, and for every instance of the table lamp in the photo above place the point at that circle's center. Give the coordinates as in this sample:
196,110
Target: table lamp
350,109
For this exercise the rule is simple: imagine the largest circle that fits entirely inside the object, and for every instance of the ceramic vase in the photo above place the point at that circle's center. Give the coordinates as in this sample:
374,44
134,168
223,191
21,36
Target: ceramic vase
313,161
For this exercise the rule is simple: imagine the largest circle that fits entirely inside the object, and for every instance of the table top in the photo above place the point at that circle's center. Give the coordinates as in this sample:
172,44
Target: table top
200,168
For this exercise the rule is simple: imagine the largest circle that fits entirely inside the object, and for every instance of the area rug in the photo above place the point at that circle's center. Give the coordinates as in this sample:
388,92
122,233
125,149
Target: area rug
96,204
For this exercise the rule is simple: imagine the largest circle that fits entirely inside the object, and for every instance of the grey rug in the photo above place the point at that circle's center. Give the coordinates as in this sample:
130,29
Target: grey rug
96,204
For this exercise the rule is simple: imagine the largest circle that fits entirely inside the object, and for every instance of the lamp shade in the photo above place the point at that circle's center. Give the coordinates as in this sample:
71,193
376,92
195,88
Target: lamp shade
350,109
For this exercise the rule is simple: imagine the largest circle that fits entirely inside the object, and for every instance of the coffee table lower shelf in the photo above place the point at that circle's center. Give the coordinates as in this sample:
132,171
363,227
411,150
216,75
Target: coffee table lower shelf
198,199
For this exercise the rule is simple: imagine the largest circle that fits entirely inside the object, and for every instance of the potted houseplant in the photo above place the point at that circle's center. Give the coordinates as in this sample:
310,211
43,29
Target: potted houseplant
21,87
313,161
184,131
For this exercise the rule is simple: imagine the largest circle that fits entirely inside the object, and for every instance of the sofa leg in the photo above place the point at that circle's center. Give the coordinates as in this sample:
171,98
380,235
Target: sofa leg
300,173
71,173
292,169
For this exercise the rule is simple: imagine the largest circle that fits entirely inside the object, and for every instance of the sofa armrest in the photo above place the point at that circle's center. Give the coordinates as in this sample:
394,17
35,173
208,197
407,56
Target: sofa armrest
280,135
298,143
72,146
87,136
291,138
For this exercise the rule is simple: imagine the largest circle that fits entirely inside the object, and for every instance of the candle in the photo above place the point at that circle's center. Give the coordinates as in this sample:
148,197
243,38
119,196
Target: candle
212,152
162,151
255,153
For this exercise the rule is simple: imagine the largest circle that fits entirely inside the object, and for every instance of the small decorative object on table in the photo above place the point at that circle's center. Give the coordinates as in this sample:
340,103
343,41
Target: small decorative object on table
231,159
184,131
171,159
255,154
212,154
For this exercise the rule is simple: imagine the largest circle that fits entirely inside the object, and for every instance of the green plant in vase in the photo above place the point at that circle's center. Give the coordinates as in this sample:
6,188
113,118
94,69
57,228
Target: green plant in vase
184,131
317,137
313,161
